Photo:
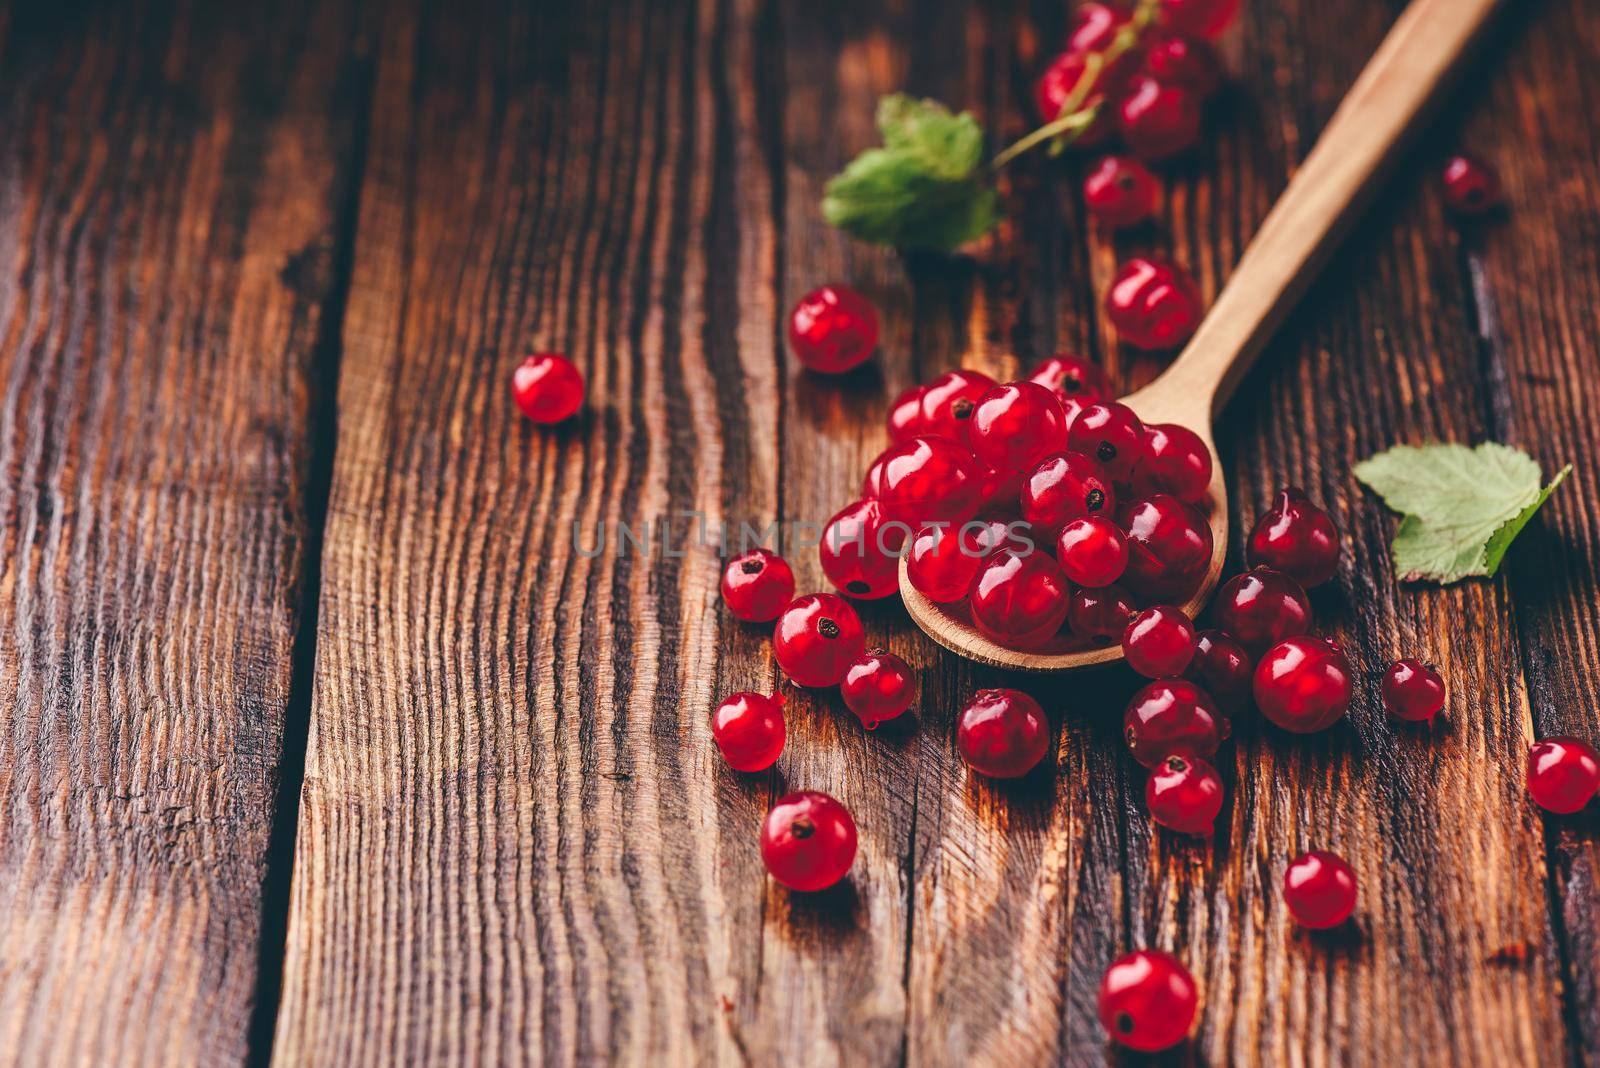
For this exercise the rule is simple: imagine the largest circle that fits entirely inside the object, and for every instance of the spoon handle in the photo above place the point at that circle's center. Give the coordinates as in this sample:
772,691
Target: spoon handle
1323,198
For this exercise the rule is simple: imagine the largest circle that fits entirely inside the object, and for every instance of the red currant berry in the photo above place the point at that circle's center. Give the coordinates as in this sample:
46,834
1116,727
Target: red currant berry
1190,62
905,415
1172,717
833,329
1159,642
1065,487
860,552
1470,186
808,841
1148,1001
1261,608
1176,461
1003,734
1563,774
1297,538
1159,120
1303,684
756,585
1412,691
944,560
816,638
1112,434
1059,83
1204,18
1100,617
547,387
1019,599
1223,667
1120,192
1094,27
1169,547
1320,889
1017,425
1153,304
1073,378
999,489
928,480
949,401
1092,551
872,481
877,687
748,728
1184,794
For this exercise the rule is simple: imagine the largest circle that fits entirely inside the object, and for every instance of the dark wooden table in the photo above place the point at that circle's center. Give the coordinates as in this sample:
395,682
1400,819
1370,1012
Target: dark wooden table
321,741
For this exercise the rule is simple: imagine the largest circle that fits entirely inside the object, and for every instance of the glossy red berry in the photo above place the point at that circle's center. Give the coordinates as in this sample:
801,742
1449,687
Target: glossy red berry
1223,667
999,489
905,415
748,728
944,560
1261,608
1073,378
1303,684
547,387
1003,734
1017,425
872,481
1172,717
1175,461
1147,1001
1110,433
860,551
756,585
928,480
1100,616
1191,62
1153,304
1065,487
1297,538
1159,642
1184,794
1120,191
1092,551
1563,774
833,329
1094,27
1412,691
1019,599
1057,85
1471,186
1320,889
808,841
1169,547
1158,120
949,401
816,639
1204,18
879,686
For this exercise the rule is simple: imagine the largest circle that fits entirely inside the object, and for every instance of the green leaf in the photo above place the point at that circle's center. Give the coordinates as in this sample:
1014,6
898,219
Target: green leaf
924,188
1462,506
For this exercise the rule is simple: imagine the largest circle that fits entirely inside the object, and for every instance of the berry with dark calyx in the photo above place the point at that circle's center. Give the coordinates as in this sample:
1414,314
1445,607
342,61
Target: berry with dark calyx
1147,1001
1471,186
1412,691
1190,62
1110,433
1223,667
1003,734
1019,599
1184,794
945,559
756,585
879,686
905,415
1057,85
748,728
816,639
1303,684
927,480
833,329
1203,18
1153,304
1172,717
1159,642
1092,551
1073,378
1017,425
1100,616
860,551
1065,487
1261,607
949,401
1176,461
1297,538
1169,547
808,841
547,387
1158,120
1121,192
1320,889
1563,774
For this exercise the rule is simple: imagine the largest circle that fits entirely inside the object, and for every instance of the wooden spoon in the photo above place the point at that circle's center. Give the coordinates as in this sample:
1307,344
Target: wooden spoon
1313,213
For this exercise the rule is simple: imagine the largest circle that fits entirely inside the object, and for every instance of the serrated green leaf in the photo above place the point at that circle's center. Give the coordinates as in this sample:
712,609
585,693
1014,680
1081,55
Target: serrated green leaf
950,145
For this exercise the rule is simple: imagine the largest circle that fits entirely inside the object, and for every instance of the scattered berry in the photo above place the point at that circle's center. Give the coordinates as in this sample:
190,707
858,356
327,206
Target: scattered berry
1017,425
1153,304
1065,487
1057,85
949,401
547,387
1172,717
1223,667
1073,378
748,728
879,686
1184,794
860,551
1563,774
905,415
944,560
1100,617
1261,608
1471,186
1092,551
1203,18
1003,734
1297,538
1158,120
1303,684
1159,642
1110,433
1148,1001
1176,461
816,639
1412,691
1121,192
1190,62
1019,599
808,841
833,329
756,585
1169,547
1320,889
928,480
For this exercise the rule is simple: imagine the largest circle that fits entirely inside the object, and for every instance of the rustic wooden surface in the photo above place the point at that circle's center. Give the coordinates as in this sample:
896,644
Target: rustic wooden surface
269,517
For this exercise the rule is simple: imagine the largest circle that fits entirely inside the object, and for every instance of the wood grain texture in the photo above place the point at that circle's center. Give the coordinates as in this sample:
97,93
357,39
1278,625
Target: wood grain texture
169,186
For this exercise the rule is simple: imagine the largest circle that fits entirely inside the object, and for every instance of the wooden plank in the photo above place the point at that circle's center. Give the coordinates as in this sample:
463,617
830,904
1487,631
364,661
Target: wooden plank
170,179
